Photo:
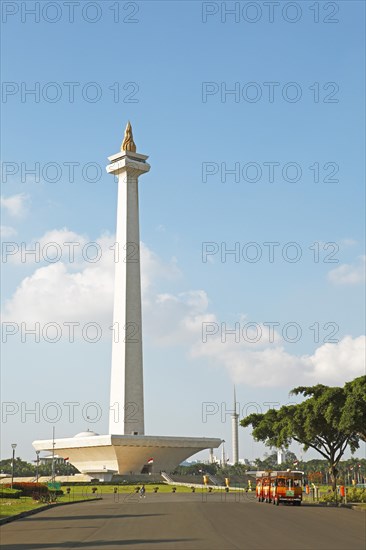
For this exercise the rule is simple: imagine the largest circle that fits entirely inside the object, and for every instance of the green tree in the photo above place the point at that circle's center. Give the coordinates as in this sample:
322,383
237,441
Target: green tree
27,469
197,468
354,410
268,463
326,421
61,469
233,470
21,467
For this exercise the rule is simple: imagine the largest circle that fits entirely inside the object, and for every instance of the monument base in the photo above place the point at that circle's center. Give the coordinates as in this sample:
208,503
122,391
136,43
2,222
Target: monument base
97,455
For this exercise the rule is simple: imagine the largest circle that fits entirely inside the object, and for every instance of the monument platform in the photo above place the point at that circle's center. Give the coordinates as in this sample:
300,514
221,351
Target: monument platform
102,456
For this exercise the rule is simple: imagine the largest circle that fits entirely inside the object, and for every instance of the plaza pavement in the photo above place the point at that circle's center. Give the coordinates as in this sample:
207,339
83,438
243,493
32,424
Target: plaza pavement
188,522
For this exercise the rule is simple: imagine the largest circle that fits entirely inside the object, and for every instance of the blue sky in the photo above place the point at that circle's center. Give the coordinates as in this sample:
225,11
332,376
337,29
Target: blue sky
162,62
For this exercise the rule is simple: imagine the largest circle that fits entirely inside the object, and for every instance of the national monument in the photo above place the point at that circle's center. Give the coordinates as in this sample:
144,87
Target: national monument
126,449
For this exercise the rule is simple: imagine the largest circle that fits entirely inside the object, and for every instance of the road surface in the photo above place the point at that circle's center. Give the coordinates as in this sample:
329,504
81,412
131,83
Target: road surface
187,522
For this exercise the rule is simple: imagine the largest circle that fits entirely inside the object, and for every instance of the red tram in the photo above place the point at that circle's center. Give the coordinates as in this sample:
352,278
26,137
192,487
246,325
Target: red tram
280,486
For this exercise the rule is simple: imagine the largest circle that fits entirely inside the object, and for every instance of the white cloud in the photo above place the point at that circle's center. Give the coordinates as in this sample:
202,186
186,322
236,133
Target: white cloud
349,274
154,269
331,362
56,245
273,366
6,231
83,293
78,290
53,294
15,205
176,320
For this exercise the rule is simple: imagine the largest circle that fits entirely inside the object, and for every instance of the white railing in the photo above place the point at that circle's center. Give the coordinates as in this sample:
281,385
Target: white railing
171,481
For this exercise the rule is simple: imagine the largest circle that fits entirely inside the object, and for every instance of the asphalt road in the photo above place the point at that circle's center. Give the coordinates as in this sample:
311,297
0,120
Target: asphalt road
186,521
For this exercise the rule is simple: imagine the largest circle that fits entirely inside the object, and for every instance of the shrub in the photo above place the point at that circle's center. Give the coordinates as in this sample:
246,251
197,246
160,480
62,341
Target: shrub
28,488
353,495
6,492
57,492
330,497
356,495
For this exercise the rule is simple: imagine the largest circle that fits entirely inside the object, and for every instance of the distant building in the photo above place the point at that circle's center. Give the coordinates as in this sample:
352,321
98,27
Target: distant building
48,459
281,456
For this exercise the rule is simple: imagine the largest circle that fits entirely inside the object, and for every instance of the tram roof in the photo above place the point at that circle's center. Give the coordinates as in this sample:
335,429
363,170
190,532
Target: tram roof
273,473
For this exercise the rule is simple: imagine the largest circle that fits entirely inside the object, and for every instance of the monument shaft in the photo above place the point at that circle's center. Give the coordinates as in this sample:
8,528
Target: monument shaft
234,434
127,404
127,396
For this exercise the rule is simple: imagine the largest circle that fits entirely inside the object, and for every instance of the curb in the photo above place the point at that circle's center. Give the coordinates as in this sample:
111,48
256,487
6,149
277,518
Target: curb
42,508
350,506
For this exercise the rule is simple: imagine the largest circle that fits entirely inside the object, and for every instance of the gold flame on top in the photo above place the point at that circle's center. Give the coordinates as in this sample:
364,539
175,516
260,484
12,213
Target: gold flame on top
128,144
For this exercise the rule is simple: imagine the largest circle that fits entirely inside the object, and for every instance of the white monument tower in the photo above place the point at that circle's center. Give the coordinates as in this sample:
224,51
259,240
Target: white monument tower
223,455
126,448
127,396
234,432
280,456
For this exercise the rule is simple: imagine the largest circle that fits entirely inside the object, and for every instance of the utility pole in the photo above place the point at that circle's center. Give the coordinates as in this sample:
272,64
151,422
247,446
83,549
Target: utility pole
234,432
37,466
13,446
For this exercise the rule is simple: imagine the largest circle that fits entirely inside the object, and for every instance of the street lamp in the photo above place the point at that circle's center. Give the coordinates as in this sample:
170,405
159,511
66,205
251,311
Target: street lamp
13,446
37,470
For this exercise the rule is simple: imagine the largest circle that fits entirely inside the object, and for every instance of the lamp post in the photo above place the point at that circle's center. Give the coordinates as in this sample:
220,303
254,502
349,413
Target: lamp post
13,446
53,455
37,466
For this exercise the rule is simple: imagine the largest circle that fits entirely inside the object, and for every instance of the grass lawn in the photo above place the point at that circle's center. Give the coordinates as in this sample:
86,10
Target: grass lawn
11,506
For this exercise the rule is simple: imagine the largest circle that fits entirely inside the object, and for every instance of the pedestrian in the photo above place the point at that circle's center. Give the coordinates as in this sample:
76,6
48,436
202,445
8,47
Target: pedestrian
142,492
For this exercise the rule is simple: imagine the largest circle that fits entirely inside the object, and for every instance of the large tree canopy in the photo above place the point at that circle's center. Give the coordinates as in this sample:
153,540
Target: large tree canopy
354,411
329,420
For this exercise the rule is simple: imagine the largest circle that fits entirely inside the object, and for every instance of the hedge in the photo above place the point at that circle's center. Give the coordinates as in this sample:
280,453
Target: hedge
6,492
353,495
28,489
